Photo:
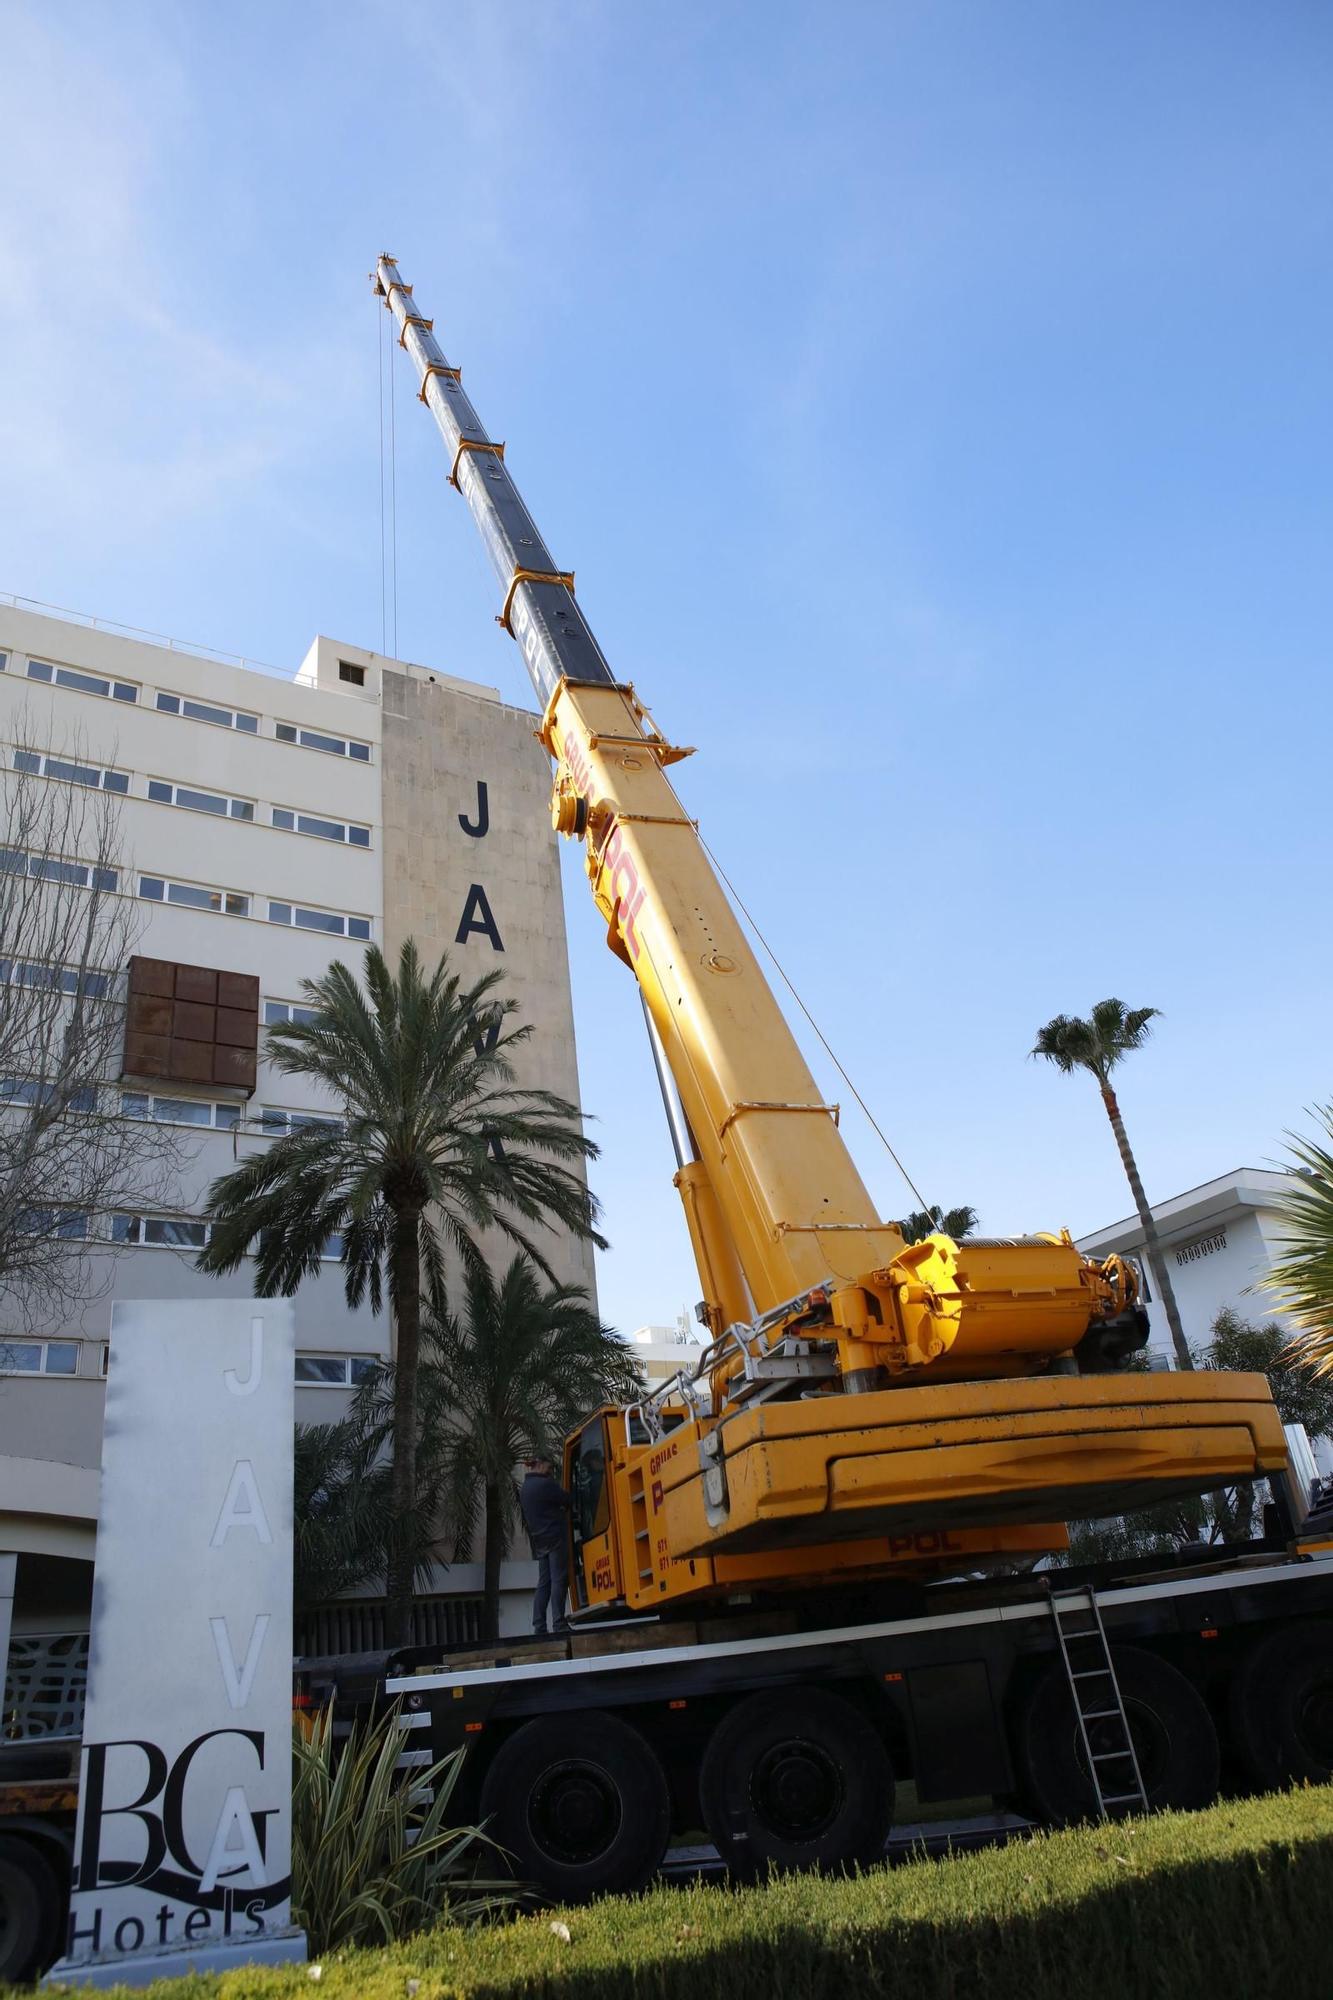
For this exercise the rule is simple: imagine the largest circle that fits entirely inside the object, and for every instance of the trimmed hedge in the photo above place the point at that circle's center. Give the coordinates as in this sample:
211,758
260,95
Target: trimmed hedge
1220,1905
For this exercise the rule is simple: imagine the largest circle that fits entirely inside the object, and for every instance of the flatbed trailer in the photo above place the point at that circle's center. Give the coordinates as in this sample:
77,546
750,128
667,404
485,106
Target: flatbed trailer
1059,1696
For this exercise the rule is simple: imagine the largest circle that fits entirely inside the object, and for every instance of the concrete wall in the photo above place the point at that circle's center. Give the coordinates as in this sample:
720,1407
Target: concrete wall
471,868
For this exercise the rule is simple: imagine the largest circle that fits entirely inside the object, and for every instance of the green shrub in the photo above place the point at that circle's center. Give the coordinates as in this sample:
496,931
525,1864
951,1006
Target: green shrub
369,1862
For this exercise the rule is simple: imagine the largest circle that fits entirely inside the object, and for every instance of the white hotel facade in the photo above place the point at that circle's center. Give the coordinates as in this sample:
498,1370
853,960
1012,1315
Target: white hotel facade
269,826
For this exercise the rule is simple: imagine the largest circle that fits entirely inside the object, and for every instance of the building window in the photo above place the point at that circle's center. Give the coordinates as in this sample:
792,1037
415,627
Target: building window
28,972
335,1371
159,1232
69,1224
1203,1246
316,739
331,1252
47,868
276,1122
288,1010
156,889
183,1232
354,676
163,794
70,677
319,920
38,1357
207,711
92,775
179,1110
32,1090
323,829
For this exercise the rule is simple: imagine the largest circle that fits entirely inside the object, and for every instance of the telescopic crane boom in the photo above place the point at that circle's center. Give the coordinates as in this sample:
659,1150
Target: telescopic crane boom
812,1299
776,1205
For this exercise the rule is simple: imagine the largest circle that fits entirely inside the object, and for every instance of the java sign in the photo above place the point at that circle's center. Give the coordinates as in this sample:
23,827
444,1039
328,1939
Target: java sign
183,1849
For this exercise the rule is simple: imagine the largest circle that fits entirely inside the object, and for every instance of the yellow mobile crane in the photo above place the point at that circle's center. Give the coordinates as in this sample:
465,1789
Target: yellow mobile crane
863,1403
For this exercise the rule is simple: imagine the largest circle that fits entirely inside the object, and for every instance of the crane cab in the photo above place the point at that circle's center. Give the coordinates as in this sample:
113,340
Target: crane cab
621,1559
588,1455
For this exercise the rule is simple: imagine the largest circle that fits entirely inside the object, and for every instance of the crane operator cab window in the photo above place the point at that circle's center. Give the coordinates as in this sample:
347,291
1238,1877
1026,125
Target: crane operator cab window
590,1503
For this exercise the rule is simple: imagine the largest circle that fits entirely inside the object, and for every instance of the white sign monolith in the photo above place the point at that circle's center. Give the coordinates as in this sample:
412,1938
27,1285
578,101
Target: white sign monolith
182,1856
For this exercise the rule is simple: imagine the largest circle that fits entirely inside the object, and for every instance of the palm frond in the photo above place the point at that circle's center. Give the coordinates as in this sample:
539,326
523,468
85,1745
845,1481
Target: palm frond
1097,1044
437,1144
1301,1277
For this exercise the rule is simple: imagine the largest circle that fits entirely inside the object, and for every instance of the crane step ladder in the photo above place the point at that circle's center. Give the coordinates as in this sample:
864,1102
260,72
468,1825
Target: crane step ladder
1113,1765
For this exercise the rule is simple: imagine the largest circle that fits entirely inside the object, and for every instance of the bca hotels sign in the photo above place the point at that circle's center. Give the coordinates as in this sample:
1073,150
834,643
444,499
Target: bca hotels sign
183,1849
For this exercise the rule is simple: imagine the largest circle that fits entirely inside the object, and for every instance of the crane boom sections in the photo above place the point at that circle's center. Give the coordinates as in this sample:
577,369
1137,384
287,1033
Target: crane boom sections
772,1210
540,608
798,1270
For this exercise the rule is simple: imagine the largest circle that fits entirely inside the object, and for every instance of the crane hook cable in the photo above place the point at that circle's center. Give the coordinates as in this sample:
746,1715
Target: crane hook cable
782,974
384,590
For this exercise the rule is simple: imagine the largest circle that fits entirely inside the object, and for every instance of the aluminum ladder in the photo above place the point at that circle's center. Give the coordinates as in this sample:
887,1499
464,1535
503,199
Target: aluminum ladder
1117,1781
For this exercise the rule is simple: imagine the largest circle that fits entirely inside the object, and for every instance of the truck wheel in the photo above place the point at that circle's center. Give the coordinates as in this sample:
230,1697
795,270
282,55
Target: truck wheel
580,1802
796,1779
1174,1740
29,1909
1282,1707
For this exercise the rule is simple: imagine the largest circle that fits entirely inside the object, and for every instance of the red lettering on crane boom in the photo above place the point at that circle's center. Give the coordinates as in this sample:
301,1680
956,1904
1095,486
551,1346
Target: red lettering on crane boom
627,894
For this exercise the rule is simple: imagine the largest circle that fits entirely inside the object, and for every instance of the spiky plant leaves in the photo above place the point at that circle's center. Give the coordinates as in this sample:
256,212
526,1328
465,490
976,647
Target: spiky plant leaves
370,1861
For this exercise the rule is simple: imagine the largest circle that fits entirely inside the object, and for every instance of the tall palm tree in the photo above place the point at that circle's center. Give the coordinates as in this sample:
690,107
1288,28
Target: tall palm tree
436,1143
1301,1278
935,1221
1097,1045
506,1378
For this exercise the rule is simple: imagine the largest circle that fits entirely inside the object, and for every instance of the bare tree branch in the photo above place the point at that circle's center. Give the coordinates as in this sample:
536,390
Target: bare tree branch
68,924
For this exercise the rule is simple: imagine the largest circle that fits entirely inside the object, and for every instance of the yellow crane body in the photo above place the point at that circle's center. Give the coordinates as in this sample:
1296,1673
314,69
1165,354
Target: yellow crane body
865,1407
908,1483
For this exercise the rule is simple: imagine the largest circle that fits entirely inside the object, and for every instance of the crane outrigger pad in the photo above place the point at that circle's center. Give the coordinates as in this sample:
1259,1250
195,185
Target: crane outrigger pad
834,1468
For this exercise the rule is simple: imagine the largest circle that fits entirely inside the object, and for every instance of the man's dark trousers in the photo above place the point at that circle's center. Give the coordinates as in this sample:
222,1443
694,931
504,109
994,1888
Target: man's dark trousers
552,1583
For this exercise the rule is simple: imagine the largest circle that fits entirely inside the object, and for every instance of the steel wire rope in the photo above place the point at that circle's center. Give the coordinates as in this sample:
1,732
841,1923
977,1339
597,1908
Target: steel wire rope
825,1044
393,481
379,351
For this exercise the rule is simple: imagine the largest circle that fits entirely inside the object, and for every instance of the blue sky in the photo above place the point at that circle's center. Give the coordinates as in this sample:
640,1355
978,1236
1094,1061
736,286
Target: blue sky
934,402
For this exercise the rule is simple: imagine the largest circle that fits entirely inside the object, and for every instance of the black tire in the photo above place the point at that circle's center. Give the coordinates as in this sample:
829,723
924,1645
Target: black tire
29,1909
580,1802
1282,1707
1173,1736
796,1779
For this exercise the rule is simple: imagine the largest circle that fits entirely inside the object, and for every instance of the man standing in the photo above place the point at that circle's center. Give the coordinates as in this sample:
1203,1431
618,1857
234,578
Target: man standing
545,1504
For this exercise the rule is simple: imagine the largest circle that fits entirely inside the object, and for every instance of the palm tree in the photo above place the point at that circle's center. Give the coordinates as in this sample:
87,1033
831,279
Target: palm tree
1301,1277
435,1144
1097,1045
935,1221
341,1513
507,1378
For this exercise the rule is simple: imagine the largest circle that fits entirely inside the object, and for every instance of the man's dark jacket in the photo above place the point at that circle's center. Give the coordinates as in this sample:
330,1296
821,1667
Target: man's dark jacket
545,1503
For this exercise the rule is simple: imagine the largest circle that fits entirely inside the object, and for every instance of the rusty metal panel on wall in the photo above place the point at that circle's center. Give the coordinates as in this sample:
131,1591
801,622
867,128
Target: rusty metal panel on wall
191,1024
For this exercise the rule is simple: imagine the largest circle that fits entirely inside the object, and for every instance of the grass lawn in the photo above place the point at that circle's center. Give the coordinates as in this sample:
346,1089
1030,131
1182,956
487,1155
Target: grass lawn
1231,1904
